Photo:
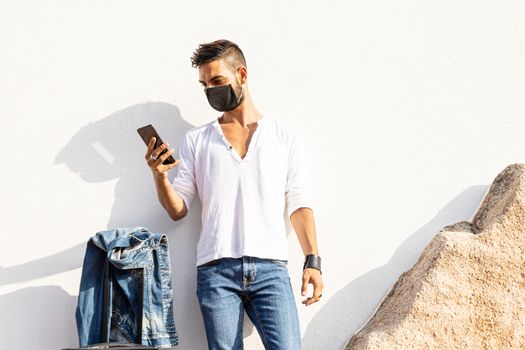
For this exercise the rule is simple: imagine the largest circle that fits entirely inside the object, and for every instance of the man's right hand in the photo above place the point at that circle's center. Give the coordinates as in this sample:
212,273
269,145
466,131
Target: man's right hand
159,170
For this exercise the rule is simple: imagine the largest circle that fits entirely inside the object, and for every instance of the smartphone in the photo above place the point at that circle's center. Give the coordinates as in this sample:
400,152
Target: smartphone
146,133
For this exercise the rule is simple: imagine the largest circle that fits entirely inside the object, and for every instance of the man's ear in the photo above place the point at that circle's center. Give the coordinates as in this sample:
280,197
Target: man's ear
243,74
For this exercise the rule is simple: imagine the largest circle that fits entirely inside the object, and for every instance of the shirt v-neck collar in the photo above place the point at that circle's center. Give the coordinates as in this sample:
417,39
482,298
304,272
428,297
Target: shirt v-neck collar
253,142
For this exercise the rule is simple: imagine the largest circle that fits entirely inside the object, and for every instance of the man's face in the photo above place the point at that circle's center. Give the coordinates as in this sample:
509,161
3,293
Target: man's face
221,85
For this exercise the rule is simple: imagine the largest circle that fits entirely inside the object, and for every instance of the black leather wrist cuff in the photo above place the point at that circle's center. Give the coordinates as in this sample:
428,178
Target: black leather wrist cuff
312,261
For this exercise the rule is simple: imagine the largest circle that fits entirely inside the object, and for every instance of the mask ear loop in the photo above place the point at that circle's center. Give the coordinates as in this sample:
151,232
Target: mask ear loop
239,99
241,94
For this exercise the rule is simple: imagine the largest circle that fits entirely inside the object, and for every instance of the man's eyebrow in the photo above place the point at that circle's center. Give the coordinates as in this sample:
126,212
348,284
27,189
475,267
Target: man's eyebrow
215,77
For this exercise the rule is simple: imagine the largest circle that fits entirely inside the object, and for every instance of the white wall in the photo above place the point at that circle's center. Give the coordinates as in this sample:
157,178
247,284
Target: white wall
409,110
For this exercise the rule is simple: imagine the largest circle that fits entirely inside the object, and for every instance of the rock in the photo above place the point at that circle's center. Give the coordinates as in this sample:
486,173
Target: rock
467,289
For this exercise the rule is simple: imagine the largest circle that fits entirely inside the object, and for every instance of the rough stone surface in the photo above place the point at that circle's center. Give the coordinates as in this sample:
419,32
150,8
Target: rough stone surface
467,290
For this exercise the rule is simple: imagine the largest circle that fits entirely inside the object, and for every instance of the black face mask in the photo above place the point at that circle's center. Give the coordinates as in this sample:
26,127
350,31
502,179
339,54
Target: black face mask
223,97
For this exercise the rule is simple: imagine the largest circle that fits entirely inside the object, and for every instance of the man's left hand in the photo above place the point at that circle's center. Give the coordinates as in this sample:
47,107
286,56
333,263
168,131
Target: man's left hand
312,276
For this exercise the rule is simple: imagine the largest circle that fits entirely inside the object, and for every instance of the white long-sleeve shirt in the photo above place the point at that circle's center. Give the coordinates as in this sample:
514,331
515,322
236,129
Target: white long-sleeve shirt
243,200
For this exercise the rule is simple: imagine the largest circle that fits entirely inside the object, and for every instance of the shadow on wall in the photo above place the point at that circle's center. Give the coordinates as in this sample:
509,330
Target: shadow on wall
111,149
105,150
356,303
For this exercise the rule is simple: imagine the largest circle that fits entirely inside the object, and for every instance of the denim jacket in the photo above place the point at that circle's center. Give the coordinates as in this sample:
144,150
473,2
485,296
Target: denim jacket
139,289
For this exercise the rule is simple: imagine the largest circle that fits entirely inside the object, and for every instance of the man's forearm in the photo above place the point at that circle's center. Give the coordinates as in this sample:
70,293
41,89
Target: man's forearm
169,199
304,225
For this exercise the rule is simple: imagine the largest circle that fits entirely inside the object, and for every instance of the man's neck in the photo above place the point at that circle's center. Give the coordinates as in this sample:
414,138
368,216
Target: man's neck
242,116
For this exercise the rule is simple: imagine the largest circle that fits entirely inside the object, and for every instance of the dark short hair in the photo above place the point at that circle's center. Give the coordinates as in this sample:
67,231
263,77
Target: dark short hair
217,49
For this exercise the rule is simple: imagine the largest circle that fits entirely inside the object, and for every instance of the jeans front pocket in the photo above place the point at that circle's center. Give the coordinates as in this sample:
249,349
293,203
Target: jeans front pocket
280,262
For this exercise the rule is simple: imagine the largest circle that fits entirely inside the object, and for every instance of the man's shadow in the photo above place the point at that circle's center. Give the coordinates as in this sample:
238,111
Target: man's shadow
106,150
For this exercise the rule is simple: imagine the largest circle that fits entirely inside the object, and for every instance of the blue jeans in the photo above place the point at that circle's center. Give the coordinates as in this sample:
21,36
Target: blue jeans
261,286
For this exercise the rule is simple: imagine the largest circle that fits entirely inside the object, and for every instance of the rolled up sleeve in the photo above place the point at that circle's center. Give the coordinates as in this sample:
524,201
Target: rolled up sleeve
184,182
297,192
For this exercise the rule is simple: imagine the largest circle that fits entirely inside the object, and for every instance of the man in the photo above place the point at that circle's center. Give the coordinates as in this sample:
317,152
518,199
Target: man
247,169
